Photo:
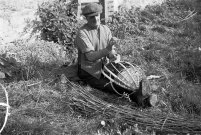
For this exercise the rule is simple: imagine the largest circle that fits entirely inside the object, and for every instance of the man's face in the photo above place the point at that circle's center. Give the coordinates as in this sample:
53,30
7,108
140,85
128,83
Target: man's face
94,21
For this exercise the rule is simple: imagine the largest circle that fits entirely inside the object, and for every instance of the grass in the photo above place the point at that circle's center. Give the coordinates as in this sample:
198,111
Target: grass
168,46
40,109
162,44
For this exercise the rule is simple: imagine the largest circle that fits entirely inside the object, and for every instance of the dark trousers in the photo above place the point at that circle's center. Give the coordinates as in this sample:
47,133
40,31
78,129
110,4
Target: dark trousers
104,84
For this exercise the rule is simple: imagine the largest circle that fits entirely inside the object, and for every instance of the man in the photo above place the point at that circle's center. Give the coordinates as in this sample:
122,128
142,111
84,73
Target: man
95,43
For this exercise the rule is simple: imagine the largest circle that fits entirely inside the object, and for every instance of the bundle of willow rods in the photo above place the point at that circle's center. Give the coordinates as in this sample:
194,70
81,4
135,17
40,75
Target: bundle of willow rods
90,104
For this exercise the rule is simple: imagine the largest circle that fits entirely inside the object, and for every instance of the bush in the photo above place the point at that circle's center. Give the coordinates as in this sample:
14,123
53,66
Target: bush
34,59
127,23
57,22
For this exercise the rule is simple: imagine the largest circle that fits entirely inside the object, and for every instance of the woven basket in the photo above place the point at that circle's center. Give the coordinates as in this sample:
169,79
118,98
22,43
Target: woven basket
124,74
132,76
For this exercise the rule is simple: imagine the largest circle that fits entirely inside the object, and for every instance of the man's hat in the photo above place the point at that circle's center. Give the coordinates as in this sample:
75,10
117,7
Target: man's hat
92,9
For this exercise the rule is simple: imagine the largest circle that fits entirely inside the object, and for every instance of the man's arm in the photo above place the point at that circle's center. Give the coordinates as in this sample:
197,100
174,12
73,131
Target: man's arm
95,55
85,46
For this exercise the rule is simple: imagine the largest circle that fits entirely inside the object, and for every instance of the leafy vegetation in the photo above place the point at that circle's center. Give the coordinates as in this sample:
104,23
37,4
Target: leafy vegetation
57,22
163,40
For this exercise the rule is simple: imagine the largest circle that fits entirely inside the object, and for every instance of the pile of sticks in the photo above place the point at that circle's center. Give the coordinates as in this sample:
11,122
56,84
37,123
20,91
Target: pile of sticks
163,122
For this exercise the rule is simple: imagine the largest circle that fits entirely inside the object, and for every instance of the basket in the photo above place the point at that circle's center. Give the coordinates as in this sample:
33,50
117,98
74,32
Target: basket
124,74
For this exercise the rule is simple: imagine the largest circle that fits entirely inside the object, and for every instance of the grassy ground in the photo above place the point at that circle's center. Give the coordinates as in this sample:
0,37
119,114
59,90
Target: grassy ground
165,41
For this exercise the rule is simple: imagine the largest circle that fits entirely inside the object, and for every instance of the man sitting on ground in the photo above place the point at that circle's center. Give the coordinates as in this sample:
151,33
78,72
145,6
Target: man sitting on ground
95,43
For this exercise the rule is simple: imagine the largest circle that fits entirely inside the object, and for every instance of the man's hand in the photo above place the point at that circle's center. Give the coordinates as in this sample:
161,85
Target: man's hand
113,56
113,41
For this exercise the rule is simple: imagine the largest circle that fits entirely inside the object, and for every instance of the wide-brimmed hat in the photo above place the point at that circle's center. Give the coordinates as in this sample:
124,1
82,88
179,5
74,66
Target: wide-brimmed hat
92,9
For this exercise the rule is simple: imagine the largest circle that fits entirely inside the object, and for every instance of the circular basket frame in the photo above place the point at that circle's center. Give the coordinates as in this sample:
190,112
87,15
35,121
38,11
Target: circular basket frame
120,79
